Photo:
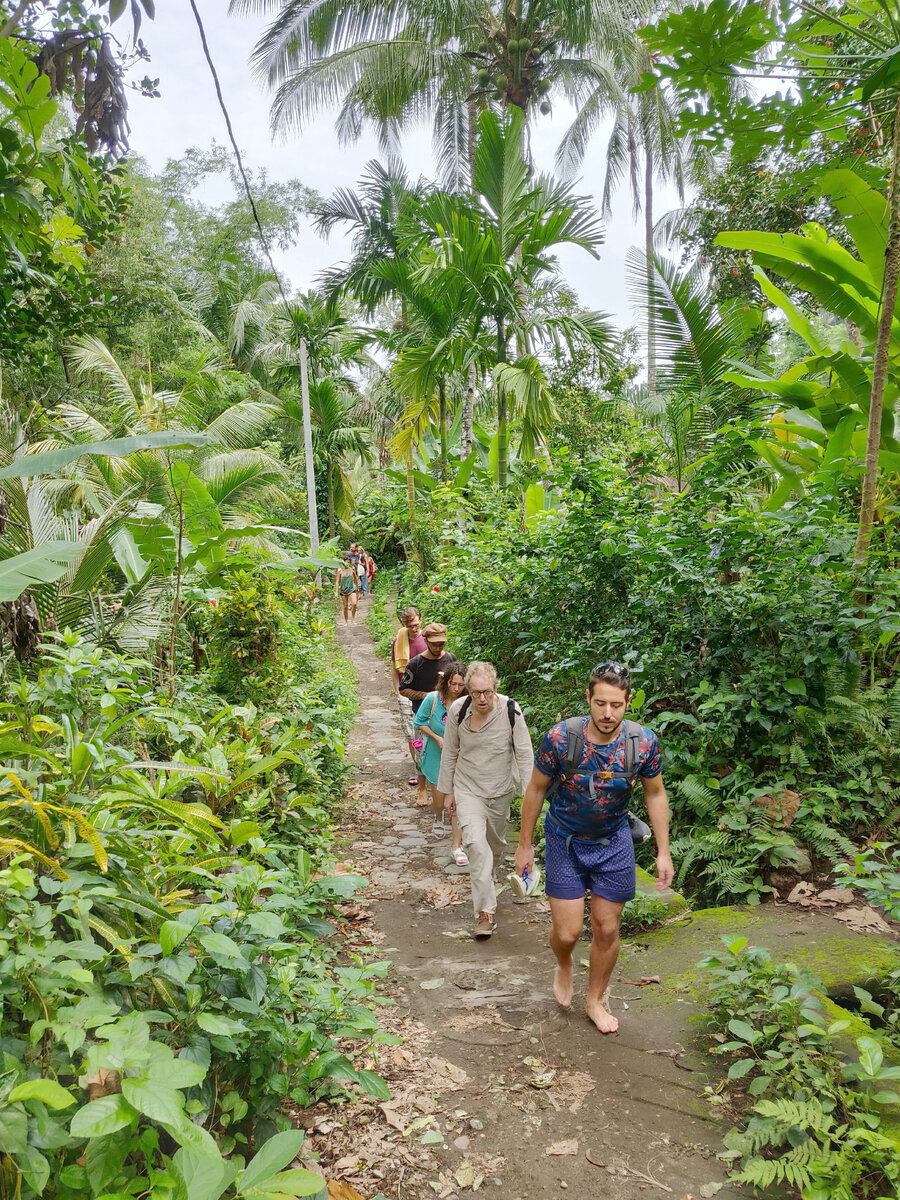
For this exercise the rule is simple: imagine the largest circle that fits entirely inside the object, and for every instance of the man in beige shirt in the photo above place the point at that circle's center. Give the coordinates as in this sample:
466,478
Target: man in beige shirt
487,754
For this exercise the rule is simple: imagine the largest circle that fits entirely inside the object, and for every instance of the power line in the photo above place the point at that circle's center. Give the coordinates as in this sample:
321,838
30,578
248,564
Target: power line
304,384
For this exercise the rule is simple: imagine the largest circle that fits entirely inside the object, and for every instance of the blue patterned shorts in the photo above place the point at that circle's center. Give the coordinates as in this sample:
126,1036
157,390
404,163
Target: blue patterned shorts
572,869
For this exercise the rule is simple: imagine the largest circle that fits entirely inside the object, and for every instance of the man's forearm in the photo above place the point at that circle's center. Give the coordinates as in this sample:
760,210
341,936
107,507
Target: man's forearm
658,812
532,802
412,694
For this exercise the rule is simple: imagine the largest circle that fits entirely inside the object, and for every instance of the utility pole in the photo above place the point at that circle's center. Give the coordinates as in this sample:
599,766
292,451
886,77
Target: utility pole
308,452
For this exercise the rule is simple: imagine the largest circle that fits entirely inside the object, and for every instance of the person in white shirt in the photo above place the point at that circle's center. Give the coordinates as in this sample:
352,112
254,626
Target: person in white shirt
487,753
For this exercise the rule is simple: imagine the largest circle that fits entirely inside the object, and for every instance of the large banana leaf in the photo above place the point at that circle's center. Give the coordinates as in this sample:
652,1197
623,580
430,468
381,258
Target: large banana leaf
51,461
44,564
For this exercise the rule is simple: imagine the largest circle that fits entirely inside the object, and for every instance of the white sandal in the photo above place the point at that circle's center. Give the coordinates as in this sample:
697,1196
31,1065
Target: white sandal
438,828
460,857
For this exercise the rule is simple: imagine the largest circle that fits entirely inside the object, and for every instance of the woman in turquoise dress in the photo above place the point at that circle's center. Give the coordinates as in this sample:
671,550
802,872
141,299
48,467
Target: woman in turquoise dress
429,724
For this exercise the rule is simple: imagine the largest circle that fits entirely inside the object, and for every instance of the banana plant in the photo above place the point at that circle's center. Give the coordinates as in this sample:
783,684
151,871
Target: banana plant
821,424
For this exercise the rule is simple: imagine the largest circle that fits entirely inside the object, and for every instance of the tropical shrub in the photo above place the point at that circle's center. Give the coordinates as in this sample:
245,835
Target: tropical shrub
752,656
809,1126
169,976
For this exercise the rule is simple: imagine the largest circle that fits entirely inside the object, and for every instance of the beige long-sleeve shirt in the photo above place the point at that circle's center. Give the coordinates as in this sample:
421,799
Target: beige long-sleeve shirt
491,762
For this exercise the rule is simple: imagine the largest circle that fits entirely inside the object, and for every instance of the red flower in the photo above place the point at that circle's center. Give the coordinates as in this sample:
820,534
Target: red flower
435,588
212,604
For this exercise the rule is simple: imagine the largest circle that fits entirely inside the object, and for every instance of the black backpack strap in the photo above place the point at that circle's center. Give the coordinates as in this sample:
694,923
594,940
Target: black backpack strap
463,709
511,712
632,732
574,745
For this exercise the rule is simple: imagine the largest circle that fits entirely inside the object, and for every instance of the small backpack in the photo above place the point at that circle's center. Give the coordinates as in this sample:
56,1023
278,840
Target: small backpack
640,831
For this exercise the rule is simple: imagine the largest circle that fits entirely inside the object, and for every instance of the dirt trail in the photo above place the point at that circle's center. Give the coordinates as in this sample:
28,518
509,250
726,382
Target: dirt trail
530,1099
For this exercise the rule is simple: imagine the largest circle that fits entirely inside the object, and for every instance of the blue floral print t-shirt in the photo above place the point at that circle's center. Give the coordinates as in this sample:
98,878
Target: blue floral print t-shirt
593,805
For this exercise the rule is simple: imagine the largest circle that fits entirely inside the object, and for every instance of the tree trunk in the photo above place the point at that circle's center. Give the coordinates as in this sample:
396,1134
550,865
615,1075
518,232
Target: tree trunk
176,606
330,504
502,415
410,494
648,246
880,364
468,413
10,25
472,113
442,428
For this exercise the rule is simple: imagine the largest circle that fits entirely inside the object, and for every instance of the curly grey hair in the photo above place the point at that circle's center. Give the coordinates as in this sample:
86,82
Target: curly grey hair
481,668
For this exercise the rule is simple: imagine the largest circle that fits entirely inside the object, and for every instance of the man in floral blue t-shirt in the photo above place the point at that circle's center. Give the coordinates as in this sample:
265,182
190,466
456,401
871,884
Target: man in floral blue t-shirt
587,838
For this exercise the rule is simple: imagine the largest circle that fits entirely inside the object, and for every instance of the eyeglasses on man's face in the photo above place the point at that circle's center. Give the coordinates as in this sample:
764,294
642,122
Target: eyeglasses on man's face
480,693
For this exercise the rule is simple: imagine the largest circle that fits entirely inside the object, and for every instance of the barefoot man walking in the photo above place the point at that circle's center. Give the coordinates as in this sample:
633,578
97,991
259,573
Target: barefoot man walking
588,841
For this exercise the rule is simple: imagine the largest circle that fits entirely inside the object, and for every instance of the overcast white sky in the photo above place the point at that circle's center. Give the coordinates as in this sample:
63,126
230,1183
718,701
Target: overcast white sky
188,115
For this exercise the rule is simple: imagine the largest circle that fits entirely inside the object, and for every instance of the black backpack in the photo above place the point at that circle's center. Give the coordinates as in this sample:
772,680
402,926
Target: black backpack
510,712
640,831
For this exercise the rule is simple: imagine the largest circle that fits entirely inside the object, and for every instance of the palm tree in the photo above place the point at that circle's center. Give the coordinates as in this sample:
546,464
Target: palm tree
391,64
340,434
645,143
334,344
496,248
696,346
236,310
129,410
378,273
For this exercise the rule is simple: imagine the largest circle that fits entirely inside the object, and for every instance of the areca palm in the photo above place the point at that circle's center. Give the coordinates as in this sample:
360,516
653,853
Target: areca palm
379,272
340,435
333,344
645,143
372,214
320,320
390,64
496,248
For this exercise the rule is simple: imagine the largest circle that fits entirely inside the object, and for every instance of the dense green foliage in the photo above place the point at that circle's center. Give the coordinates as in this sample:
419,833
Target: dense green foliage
168,892
815,1122
752,656
172,707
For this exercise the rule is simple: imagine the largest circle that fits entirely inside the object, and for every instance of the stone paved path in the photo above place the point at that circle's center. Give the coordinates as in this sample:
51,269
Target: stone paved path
632,1103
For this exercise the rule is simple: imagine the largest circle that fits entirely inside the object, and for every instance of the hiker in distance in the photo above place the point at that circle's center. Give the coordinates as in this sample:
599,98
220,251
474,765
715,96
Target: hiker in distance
407,643
420,677
588,767
487,752
346,586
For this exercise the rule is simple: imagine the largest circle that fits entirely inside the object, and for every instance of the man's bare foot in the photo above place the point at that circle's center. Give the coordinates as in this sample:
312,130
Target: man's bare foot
601,1016
563,986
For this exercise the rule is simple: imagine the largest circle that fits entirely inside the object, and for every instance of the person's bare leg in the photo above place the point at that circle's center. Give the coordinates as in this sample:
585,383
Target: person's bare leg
354,600
568,920
604,952
346,602
421,790
456,833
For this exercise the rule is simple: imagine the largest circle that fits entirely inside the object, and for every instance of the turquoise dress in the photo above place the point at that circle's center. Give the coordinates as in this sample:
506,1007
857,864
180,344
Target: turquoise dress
433,714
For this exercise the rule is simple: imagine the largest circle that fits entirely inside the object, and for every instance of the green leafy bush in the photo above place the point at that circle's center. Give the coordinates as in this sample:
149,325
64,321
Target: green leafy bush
747,642
169,975
809,1127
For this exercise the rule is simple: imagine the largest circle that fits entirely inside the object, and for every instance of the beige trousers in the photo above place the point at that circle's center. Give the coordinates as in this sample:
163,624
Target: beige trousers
483,827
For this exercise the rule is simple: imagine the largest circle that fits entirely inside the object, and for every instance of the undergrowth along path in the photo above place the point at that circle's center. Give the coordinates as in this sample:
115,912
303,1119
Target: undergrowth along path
494,1083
